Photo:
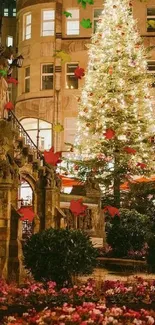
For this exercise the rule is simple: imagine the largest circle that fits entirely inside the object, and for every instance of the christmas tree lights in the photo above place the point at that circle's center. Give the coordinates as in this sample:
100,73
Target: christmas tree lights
115,122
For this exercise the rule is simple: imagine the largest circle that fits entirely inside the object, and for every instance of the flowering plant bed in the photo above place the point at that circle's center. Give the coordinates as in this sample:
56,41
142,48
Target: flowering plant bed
108,302
87,313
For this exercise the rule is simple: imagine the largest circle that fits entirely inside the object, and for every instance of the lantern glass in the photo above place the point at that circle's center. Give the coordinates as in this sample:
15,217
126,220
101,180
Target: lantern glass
19,61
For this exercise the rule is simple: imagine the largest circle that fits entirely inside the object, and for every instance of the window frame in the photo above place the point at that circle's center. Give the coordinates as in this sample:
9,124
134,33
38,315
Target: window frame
70,74
95,19
69,19
46,74
151,71
25,25
148,17
49,20
14,12
26,78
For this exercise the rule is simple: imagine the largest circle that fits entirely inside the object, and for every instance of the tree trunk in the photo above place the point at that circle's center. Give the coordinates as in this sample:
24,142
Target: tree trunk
117,181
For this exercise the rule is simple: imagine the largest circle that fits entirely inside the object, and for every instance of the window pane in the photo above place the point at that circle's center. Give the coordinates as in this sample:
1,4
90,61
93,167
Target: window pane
74,12
45,139
73,27
27,72
48,15
44,125
97,12
47,82
151,11
71,67
28,32
151,25
27,85
47,68
28,19
29,123
71,82
48,28
33,135
9,41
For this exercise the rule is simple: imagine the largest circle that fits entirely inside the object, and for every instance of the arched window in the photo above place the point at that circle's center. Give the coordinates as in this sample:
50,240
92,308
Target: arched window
40,132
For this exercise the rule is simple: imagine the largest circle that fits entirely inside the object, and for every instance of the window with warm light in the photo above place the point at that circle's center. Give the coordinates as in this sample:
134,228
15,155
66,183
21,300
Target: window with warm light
27,19
27,79
14,12
6,12
151,69
73,22
48,22
47,76
9,41
151,19
40,132
71,80
97,13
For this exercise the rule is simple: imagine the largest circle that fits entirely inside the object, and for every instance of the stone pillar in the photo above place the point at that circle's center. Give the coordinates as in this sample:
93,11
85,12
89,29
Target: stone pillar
51,202
5,216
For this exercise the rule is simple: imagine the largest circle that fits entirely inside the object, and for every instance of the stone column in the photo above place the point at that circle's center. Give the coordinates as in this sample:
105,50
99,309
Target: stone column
5,216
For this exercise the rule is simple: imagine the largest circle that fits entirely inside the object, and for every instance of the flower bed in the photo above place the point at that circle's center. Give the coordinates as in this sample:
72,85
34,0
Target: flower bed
88,313
109,302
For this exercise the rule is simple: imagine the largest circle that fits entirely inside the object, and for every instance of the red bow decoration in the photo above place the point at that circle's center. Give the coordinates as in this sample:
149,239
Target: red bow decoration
141,165
12,80
26,213
51,157
9,106
109,134
77,207
79,73
111,210
129,150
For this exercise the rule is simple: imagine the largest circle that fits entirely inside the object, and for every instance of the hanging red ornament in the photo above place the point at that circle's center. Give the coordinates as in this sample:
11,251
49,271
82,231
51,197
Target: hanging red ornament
77,207
111,210
9,106
76,167
130,4
109,134
141,165
86,110
26,213
111,71
130,150
79,73
51,157
12,80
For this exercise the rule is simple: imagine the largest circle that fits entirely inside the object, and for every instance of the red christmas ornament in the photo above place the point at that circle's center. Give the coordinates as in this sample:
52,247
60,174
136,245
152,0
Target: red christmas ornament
111,210
26,213
129,150
77,207
76,167
79,73
141,165
109,134
9,106
12,80
51,157
111,71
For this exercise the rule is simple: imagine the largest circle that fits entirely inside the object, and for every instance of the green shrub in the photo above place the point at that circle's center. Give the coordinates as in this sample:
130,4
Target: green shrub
151,253
127,232
59,254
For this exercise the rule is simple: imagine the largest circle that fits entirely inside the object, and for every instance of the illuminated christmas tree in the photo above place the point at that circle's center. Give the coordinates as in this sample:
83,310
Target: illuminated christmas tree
115,113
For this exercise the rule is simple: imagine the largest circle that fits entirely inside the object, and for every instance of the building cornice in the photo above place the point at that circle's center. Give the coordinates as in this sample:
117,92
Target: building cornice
26,3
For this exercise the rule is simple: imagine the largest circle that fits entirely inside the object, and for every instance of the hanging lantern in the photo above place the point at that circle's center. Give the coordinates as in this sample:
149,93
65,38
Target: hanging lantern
18,62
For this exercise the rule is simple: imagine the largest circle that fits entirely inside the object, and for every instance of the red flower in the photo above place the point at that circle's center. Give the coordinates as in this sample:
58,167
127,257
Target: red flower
79,73
51,157
77,207
112,210
109,134
129,150
26,213
9,106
